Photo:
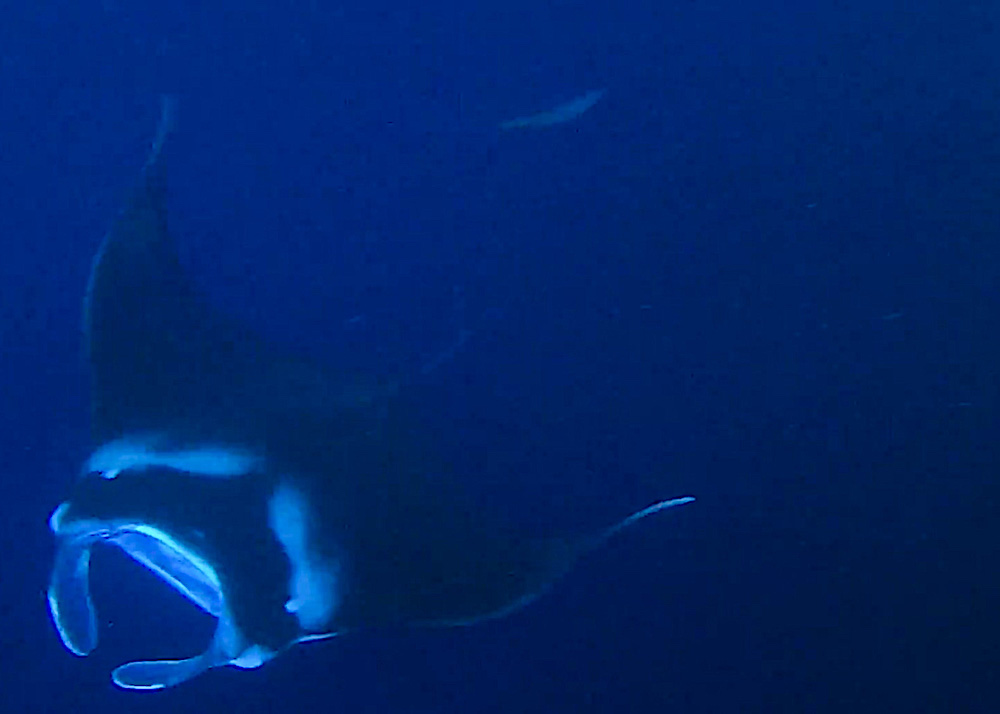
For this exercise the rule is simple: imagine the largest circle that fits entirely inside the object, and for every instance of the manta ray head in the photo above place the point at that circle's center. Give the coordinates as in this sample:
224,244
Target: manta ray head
212,526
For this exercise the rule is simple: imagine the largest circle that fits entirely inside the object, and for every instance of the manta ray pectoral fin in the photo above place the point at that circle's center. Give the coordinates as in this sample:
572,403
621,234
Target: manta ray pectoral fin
565,552
639,515
562,553
169,370
547,561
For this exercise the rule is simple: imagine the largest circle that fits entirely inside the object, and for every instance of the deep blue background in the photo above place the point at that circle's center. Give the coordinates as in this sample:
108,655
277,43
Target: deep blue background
763,270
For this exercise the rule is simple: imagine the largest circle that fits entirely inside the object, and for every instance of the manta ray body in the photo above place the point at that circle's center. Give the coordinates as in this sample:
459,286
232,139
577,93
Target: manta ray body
271,492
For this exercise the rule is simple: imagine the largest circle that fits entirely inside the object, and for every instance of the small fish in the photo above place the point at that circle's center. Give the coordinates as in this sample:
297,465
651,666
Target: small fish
562,113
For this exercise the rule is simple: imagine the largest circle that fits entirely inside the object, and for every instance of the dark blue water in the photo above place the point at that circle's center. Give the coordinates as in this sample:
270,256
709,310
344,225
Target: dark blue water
763,270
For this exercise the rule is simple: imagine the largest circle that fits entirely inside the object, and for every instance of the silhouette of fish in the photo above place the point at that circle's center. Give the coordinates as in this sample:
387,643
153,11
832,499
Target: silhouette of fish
563,113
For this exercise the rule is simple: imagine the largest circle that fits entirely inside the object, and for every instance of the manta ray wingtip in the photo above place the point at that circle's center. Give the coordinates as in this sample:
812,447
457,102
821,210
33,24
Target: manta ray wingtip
168,118
645,512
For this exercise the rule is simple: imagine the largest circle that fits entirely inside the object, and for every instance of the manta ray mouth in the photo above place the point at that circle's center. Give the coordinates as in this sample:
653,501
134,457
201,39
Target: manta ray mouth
75,617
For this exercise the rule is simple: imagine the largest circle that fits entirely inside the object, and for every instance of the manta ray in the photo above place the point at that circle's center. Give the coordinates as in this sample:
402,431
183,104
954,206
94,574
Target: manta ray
271,492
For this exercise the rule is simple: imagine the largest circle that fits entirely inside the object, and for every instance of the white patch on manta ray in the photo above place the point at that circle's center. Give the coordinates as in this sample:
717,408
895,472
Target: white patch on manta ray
313,582
214,461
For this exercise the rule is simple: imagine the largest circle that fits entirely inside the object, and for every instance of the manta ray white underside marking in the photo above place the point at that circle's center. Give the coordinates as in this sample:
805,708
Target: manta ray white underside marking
136,453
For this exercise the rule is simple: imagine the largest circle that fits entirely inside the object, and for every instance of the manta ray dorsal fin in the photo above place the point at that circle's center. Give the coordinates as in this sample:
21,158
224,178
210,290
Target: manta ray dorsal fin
164,361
